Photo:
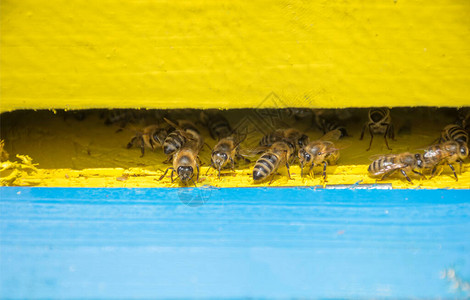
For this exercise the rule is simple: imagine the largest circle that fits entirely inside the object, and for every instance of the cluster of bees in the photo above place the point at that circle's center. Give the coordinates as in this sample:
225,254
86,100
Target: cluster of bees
182,142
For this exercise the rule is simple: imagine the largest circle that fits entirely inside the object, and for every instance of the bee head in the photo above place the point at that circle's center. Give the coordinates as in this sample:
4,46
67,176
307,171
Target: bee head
185,173
219,159
463,151
419,160
304,157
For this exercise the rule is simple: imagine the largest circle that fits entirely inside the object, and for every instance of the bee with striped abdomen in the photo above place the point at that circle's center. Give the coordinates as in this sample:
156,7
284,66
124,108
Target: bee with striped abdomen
152,136
380,122
406,162
217,124
291,135
184,131
453,132
445,153
276,156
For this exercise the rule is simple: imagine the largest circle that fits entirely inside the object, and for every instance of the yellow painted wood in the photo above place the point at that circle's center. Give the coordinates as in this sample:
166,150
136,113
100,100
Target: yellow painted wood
231,54
143,177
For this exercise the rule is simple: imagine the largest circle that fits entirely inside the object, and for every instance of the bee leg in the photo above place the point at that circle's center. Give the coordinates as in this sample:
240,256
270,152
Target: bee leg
453,170
239,156
385,137
371,137
324,170
131,143
142,147
433,172
172,173
387,174
391,132
233,164
362,132
420,174
406,175
272,178
168,160
166,171
197,176
209,168
288,171
310,170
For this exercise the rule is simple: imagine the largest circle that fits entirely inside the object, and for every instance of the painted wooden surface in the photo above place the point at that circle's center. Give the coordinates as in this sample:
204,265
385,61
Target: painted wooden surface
241,242
231,54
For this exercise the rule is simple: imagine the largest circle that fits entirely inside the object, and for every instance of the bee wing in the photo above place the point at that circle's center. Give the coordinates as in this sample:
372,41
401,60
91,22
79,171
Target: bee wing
342,145
379,156
252,152
172,124
332,135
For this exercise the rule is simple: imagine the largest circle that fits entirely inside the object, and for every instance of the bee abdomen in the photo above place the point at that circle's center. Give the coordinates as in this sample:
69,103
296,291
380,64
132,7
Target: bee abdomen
455,133
380,165
378,114
172,143
265,166
220,129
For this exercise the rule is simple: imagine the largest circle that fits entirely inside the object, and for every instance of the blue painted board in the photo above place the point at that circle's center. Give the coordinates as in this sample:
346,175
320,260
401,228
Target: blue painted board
240,242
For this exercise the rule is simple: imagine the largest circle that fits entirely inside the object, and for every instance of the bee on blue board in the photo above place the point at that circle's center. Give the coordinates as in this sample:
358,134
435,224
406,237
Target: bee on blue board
445,153
320,152
386,165
380,122
185,163
277,155
184,131
217,125
152,136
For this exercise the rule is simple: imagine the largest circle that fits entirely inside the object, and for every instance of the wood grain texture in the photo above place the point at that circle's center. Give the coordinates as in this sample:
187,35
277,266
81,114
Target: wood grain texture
233,54
245,242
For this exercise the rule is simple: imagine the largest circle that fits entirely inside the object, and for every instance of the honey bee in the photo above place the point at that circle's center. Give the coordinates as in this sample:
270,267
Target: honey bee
328,123
151,137
454,132
226,150
277,155
184,131
217,124
380,122
445,153
185,163
321,151
292,136
386,165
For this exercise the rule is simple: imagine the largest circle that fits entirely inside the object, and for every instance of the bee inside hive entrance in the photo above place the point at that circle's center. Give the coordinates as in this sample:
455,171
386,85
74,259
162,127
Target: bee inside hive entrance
126,147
